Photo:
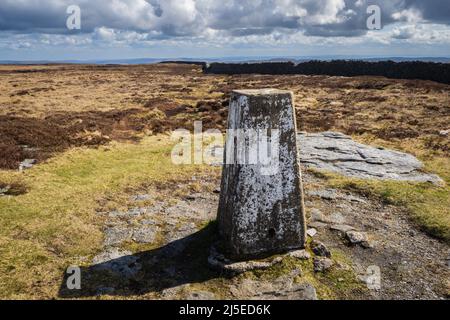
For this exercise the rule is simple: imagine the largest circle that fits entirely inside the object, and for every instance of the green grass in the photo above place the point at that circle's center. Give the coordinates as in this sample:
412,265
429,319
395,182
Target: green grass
50,220
54,224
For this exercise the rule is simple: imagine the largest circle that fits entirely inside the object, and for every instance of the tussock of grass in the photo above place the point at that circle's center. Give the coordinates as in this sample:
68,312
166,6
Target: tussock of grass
152,114
47,228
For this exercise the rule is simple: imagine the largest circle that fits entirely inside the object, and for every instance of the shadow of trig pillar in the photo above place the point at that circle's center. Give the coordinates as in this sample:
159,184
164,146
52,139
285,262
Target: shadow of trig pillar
261,209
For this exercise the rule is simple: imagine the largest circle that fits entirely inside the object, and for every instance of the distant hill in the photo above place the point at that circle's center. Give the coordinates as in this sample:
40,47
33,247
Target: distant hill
226,59
100,62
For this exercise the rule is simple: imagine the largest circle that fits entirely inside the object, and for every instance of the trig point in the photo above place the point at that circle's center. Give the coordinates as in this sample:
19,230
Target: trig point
261,209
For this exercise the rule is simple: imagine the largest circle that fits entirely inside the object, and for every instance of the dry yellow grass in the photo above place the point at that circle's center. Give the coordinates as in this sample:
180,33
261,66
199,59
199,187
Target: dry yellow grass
55,222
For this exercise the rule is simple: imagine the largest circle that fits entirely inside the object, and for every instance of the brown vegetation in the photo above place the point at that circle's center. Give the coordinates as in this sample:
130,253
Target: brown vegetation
47,109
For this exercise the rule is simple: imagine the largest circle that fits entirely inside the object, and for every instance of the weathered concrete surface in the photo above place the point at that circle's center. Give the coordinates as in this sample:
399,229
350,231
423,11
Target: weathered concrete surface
261,213
338,153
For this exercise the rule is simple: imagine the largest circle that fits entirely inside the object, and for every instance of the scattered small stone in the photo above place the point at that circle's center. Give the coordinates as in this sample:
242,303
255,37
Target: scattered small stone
4,190
355,237
300,254
444,133
115,213
320,249
309,204
327,194
28,149
317,225
241,267
172,292
322,264
297,272
316,215
218,261
300,291
335,218
341,227
132,213
311,232
194,196
148,222
27,164
188,227
136,212
144,234
368,244
141,197
201,295
352,198
117,261
183,231
217,191
117,235
412,233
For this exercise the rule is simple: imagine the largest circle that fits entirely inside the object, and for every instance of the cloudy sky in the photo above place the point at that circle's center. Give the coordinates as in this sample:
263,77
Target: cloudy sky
111,29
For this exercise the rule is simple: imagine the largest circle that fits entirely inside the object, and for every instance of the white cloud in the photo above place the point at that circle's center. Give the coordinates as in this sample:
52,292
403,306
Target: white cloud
220,22
411,15
422,34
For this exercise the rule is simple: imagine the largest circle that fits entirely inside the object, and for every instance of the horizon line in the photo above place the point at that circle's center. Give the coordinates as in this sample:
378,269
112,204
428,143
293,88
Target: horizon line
206,59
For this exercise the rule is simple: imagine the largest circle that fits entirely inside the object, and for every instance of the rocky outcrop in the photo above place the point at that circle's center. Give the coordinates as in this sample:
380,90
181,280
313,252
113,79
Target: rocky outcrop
336,152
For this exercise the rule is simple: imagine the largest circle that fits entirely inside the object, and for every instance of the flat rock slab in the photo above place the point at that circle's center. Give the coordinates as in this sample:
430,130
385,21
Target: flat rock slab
336,152
218,262
117,261
280,289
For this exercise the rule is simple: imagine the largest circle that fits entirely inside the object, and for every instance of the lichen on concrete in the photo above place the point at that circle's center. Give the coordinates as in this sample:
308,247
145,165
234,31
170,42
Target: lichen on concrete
261,212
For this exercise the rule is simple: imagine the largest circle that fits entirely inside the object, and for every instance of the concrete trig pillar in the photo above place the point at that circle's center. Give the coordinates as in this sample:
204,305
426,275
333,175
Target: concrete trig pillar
261,209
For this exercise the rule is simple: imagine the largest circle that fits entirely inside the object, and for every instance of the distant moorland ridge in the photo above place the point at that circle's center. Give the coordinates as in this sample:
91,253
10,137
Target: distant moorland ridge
439,72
